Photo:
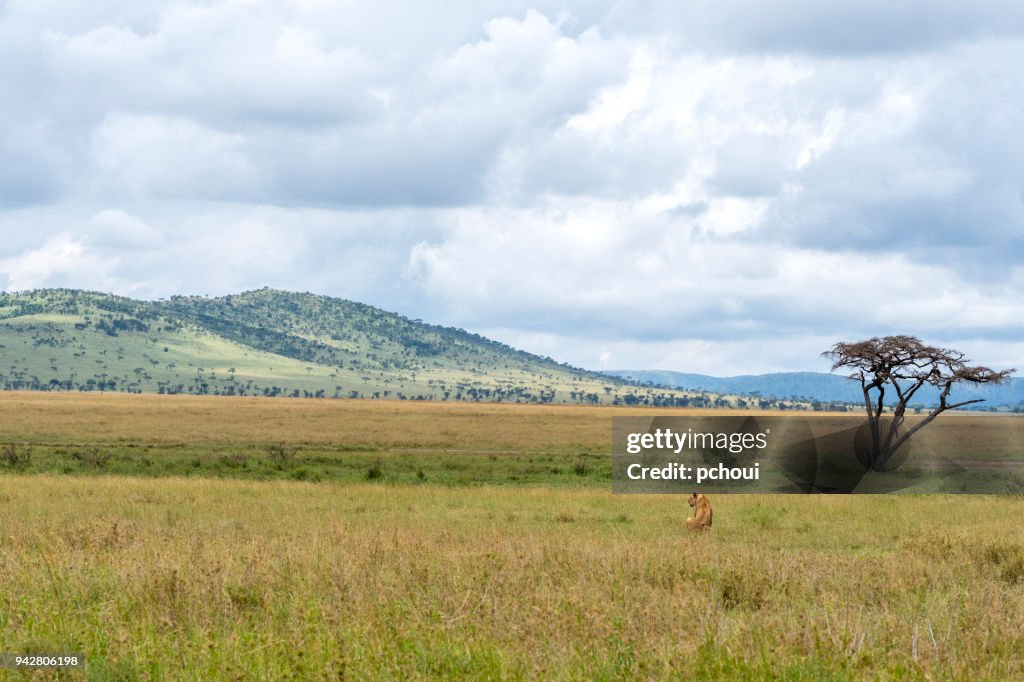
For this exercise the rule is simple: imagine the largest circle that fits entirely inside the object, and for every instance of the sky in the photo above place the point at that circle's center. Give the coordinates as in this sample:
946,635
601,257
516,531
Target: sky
720,187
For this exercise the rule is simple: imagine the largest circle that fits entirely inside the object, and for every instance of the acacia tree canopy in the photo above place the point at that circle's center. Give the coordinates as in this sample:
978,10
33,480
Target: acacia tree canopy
904,364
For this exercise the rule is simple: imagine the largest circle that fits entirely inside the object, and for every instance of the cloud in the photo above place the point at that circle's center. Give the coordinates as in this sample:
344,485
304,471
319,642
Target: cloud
615,276
62,261
722,184
241,101
190,247
222,63
115,229
840,28
725,357
32,170
160,157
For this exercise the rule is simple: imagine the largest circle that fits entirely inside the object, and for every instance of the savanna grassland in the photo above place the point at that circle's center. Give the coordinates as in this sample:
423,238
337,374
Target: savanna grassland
488,565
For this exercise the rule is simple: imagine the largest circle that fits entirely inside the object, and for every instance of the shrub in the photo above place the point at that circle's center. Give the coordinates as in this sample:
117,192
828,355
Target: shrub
16,457
235,461
281,453
93,457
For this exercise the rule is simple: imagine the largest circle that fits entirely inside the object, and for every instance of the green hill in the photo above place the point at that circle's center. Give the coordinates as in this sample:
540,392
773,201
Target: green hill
278,343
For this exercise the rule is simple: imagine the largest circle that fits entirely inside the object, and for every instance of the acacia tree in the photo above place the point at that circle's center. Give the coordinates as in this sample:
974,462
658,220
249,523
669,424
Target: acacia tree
905,364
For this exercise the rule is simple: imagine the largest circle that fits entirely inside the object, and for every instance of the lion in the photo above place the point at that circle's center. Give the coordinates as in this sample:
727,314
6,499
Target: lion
702,512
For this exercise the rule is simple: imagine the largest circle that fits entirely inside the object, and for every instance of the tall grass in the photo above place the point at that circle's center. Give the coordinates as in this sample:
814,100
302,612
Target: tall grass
201,579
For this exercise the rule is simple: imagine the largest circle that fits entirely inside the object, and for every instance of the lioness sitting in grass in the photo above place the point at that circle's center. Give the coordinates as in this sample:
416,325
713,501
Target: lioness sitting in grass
702,512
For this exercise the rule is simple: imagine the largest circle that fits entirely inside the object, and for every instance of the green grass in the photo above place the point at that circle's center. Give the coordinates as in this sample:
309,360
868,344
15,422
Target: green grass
312,462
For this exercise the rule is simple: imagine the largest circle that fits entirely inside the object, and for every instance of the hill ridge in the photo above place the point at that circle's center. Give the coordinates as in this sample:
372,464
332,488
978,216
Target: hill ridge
275,342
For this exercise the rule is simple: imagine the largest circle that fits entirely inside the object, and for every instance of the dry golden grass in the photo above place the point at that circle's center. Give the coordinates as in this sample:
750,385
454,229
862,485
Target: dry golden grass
204,579
92,417
89,417
192,579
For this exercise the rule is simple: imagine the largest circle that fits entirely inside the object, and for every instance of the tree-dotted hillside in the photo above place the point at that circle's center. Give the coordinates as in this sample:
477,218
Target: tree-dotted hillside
276,343
333,331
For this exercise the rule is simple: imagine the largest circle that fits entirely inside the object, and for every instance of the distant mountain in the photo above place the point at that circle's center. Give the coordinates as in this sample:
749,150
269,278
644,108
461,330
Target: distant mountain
816,386
275,343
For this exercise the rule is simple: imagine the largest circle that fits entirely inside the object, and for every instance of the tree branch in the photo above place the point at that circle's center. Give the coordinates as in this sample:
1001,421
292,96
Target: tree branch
893,359
966,402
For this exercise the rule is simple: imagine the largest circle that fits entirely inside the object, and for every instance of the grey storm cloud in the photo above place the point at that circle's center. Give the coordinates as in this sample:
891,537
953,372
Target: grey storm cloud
702,186
840,28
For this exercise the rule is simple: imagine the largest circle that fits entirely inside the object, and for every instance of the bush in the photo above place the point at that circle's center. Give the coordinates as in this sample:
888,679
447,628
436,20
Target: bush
93,457
15,457
235,461
281,453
